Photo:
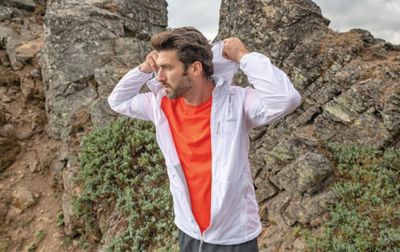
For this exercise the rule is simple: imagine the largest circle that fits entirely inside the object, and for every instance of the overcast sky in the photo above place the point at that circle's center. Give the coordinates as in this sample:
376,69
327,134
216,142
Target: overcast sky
380,17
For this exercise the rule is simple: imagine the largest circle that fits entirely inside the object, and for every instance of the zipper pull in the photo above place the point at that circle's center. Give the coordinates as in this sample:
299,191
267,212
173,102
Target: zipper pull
217,128
201,244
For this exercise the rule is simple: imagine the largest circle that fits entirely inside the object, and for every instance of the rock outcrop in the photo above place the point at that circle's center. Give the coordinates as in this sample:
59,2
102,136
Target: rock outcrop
85,41
26,152
350,85
20,86
89,46
59,60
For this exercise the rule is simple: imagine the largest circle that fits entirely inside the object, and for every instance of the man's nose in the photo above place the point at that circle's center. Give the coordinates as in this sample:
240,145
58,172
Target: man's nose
161,75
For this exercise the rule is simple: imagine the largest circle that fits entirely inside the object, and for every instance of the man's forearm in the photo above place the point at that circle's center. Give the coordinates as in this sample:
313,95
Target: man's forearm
274,95
127,88
265,76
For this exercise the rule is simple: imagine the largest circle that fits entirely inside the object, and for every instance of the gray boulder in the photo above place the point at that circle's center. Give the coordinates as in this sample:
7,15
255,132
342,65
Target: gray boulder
82,37
88,47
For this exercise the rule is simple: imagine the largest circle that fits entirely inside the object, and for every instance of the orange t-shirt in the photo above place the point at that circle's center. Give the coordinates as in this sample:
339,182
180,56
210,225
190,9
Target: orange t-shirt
190,128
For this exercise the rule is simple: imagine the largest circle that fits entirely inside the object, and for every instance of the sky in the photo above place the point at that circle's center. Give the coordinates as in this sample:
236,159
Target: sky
380,17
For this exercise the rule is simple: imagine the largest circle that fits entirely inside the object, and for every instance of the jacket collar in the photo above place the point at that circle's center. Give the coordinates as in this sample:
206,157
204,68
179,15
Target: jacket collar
224,70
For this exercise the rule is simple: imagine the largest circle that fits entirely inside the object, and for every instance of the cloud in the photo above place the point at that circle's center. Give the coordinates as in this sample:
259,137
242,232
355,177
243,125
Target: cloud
203,15
380,17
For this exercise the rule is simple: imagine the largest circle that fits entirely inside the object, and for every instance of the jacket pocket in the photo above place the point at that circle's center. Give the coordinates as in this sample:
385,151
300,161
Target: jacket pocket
229,206
232,110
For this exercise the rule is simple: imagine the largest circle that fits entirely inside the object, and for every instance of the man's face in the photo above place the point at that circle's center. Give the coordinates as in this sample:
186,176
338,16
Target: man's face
172,75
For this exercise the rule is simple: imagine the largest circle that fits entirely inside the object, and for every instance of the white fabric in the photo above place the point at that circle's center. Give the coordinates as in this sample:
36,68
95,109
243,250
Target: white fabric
234,209
223,68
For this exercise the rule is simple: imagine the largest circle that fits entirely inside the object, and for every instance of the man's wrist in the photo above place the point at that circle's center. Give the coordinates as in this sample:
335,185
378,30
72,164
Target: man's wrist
242,54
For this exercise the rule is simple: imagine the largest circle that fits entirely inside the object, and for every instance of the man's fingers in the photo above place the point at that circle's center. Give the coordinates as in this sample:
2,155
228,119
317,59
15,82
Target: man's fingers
152,64
225,55
154,57
234,49
151,60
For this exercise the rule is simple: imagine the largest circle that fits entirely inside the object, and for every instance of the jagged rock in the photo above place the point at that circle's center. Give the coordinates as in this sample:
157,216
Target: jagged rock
303,174
107,76
4,208
272,240
78,79
351,94
266,191
125,46
39,122
20,46
7,13
69,71
307,209
41,161
9,147
27,50
36,74
71,189
80,120
22,199
299,245
9,82
27,87
275,207
4,58
28,5
2,118
124,60
100,113
10,39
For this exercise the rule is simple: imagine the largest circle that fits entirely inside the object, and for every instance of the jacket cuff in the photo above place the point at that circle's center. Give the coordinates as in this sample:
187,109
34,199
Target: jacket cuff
248,57
142,75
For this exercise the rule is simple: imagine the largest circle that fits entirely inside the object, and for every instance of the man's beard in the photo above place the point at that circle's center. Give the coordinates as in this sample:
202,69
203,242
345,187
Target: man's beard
184,85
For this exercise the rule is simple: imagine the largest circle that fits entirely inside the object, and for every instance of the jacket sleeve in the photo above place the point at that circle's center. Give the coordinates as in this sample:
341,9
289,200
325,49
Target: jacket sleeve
273,95
125,98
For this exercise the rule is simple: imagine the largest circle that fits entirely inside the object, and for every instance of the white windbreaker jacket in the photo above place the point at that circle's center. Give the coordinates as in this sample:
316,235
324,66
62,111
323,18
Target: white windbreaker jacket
235,110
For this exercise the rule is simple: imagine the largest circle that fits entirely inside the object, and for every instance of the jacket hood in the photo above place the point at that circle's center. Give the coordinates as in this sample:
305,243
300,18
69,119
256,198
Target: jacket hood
223,69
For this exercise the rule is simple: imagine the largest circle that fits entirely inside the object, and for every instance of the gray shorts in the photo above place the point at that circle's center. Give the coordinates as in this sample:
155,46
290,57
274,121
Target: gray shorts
189,244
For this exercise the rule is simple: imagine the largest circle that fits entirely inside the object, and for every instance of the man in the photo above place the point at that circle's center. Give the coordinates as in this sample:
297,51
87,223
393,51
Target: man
202,125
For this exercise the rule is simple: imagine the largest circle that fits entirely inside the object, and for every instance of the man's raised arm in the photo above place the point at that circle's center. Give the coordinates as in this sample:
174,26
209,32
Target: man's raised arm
274,95
125,98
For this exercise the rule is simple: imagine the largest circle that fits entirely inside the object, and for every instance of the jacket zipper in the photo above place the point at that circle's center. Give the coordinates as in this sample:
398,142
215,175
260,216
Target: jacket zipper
201,244
201,235
202,238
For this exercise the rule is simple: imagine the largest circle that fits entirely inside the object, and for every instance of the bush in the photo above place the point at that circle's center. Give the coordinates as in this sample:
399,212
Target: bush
122,169
367,217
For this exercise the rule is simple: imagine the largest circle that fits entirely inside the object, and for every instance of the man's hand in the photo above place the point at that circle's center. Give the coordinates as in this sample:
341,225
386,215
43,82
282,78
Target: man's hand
234,49
149,65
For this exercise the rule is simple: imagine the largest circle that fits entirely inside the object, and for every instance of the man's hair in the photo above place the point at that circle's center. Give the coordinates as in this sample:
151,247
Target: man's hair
190,46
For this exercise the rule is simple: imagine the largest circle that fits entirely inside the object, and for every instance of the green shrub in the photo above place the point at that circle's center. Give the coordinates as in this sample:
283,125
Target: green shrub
367,217
123,169
60,219
40,235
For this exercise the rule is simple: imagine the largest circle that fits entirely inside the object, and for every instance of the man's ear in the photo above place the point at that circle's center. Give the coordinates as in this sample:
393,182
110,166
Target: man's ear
196,69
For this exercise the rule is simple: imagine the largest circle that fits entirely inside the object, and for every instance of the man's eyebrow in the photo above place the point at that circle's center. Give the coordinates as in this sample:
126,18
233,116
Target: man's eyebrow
165,65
